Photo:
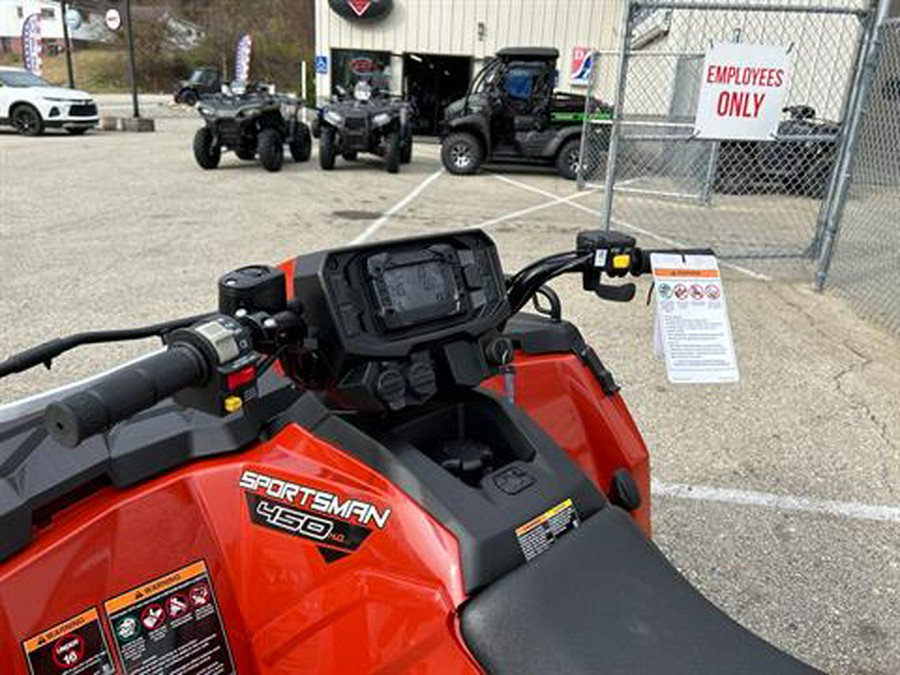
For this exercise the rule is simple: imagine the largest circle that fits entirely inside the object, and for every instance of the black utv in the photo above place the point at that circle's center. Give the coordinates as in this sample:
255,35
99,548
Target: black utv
369,121
201,83
511,113
799,163
252,122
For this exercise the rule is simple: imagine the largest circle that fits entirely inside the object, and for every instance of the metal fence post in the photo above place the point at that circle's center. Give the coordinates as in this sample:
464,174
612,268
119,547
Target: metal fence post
618,104
844,176
586,125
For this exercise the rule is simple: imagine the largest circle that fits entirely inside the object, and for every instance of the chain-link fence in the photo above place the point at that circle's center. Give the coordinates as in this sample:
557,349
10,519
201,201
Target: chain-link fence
866,262
750,199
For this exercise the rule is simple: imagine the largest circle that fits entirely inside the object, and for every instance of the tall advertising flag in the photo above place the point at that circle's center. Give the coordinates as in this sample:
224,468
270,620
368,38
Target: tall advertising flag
242,59
31,44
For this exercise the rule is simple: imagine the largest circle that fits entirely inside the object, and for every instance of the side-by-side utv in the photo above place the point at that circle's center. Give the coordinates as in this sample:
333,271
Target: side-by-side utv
511,113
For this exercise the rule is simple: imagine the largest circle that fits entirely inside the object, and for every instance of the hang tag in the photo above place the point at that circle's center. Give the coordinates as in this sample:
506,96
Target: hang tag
691,328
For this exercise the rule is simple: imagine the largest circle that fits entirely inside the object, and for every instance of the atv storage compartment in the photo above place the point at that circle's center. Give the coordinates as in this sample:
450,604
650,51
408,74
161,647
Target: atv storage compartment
605,600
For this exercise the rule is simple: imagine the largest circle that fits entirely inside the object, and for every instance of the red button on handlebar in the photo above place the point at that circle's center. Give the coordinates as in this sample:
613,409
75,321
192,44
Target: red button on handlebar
240,378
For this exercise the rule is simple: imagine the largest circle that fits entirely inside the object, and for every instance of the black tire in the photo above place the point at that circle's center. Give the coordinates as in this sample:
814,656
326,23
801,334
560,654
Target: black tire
26,120
246,154
189,97
301,146
406,151
568,158
392,152
326,148
349,155
270,148
77,131
206,151
461,154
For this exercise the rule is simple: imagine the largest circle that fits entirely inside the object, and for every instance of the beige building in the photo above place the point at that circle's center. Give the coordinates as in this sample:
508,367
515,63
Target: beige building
430,49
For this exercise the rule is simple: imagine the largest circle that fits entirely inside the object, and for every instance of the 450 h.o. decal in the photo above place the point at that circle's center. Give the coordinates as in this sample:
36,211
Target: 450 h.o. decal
312,514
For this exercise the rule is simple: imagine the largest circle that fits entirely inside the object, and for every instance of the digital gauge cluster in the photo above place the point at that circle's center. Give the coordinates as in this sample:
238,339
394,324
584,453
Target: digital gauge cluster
401,305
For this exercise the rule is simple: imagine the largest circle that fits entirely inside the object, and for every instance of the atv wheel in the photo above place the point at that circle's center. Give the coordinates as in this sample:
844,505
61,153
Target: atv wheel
271,150
326,148
189,97
349,155
568,159
246,154
26,120
406,152
206,151
461,154
301,146
392,152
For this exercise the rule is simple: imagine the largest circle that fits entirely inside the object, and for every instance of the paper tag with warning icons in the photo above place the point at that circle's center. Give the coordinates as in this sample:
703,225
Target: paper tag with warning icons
692,331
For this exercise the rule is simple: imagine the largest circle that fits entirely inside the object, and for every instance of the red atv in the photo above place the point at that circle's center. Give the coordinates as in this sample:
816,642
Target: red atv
368,460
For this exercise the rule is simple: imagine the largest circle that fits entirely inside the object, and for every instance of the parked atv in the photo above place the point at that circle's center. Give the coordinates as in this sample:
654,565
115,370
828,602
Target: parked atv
253,123
203,82
512,114
799,162
367,122
431,481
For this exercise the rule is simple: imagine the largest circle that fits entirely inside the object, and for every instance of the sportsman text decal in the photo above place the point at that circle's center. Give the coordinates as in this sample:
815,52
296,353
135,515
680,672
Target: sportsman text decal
742,91
336,524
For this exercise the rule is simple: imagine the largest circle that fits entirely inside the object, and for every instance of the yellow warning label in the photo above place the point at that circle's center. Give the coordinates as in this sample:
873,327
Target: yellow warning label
541,532
76,622
159,585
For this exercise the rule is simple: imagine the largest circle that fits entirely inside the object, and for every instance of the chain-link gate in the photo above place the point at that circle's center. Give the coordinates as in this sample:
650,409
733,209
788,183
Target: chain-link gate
866,262
747,199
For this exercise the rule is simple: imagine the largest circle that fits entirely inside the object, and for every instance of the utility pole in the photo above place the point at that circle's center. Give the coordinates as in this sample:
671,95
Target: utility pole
67,41
132,69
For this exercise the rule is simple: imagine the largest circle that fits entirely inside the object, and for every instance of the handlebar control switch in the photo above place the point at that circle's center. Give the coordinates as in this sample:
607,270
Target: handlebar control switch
255,288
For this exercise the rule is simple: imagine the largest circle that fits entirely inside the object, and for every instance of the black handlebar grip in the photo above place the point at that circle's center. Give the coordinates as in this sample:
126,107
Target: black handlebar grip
124,393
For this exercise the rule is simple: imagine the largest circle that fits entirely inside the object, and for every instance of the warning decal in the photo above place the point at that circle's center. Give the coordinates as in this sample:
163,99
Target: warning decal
74,647
169,625
540,533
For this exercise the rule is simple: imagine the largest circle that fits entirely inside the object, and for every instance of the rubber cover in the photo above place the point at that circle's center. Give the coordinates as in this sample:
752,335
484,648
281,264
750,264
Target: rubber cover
605,600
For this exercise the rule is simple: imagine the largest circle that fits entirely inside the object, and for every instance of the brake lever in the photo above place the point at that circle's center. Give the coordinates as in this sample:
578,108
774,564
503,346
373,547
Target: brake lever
623,293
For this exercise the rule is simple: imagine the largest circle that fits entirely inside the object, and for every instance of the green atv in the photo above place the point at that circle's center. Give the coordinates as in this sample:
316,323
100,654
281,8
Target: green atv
512,114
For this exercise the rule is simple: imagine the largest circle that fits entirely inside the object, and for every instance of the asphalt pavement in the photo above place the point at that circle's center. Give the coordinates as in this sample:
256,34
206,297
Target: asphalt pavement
778,496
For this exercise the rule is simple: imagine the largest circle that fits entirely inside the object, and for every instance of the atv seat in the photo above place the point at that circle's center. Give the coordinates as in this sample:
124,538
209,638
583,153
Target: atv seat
605,600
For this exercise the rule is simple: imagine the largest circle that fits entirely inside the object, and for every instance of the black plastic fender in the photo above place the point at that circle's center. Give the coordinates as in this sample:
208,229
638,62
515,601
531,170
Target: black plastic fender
473,124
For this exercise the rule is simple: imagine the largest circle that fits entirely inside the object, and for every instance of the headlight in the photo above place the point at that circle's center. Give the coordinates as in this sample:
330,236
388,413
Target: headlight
57,100
381,119
334,118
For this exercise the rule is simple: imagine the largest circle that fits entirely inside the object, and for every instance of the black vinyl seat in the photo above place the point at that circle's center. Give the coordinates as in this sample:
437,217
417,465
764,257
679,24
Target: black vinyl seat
605,600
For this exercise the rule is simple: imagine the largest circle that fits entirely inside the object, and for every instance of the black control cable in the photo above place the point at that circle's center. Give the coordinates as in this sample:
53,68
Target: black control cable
45,352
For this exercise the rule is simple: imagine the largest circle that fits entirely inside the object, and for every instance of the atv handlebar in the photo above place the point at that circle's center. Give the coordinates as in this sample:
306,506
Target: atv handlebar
125,392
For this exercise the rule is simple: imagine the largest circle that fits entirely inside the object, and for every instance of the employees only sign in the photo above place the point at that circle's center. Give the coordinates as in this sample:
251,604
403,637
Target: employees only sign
742,91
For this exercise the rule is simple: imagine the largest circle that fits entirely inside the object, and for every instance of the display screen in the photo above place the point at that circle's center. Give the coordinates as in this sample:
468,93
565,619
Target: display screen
423,286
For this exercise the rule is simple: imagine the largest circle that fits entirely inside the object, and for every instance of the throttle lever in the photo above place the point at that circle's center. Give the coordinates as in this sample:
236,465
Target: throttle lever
623,293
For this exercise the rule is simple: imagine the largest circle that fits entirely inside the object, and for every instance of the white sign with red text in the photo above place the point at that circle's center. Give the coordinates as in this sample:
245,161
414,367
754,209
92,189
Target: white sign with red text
742,91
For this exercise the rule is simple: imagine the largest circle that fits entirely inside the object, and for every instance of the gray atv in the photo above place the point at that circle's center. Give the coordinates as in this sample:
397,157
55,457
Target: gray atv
366,122
252,122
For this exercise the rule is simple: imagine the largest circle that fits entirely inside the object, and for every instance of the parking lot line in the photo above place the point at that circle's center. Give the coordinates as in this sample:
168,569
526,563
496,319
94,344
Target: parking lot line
620,223
707,493
530,209
380,222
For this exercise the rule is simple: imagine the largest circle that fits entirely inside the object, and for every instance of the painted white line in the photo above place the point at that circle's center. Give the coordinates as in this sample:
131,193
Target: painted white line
634,228
378,224
706,493
530,209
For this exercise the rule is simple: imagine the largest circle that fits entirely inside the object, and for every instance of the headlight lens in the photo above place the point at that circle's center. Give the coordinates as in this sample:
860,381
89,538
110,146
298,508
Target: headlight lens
334,118
381,119
57,100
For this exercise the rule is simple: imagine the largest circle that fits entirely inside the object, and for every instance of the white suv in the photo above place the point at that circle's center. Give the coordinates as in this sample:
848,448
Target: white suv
30,105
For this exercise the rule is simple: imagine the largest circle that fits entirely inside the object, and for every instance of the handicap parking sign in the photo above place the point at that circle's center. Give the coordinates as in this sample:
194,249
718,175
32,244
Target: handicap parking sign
321,65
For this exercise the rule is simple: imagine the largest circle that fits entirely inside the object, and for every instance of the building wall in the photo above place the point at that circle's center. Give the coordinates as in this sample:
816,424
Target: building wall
452,27
11,22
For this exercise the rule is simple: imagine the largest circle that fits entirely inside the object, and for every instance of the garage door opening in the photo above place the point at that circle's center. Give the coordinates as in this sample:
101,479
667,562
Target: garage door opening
431,81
